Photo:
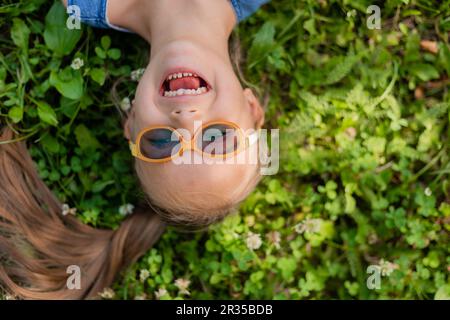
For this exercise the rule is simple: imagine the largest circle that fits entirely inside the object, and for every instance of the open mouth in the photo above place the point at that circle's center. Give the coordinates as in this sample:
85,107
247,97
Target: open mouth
184,84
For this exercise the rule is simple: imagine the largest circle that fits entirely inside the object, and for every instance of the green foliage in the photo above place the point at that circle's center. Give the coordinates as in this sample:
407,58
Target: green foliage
364,178
57,36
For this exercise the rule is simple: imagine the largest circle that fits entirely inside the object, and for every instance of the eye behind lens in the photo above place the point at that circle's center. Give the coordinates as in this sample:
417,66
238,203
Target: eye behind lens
159,144
219,139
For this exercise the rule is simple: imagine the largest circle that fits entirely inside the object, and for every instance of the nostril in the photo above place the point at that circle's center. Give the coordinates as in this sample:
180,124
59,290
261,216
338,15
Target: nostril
185,112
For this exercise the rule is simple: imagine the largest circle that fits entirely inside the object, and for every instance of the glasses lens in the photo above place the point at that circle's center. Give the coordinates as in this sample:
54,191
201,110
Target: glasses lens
219,139
159,144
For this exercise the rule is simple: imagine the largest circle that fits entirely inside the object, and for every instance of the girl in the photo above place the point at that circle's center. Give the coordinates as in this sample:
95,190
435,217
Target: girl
189,86
189,78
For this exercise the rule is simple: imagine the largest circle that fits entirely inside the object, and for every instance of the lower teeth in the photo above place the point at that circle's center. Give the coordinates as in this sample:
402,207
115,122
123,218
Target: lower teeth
181,92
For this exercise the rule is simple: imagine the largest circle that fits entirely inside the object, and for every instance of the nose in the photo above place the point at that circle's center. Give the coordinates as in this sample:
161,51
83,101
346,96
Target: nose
186,114
186,118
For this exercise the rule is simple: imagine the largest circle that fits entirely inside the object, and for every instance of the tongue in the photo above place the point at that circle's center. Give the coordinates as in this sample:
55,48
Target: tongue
184,83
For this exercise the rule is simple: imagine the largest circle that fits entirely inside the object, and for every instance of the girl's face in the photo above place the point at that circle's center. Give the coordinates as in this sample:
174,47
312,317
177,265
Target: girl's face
215,93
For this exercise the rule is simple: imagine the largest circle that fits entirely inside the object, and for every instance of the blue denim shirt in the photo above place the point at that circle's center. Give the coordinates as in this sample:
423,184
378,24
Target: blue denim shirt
93,12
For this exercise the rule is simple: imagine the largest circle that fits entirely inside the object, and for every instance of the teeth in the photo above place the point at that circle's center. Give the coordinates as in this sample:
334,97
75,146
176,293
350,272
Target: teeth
181,92
181,75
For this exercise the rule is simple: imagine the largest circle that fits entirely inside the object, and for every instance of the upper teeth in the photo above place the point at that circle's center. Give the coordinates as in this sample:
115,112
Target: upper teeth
180,75
181,92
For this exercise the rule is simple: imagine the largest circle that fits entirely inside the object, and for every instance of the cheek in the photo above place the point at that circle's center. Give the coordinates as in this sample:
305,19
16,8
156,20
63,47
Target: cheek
143,92
231,105
145,113
140,119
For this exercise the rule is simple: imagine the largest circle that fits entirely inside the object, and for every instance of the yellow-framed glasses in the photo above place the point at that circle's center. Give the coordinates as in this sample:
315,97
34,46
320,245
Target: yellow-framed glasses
218,139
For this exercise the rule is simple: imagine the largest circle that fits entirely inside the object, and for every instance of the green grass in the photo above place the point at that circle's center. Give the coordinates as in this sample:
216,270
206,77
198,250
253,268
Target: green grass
364,118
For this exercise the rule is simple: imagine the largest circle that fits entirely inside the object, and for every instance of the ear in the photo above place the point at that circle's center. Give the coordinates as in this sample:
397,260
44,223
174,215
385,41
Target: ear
256,109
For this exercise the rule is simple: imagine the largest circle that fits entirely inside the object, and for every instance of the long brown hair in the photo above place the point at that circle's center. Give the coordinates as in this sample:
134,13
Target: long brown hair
38,243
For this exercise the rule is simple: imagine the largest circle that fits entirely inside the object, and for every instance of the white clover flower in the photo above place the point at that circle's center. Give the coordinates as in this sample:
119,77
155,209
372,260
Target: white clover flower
308,225
387,267
125,104
351,13
274,238
182,285
142,296
126,209
160,293
65,210
144,274
107,293
253,241
77,63
428,192
137,74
